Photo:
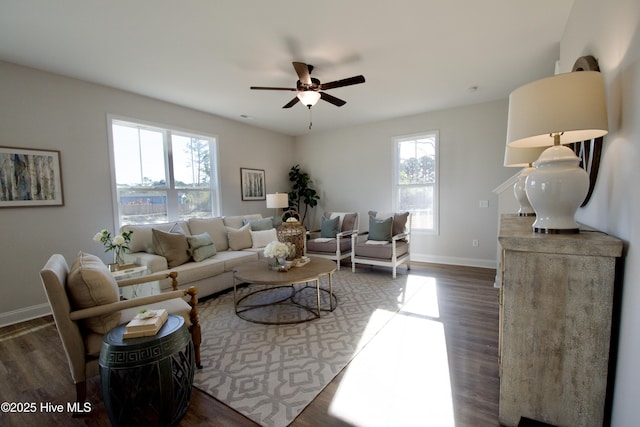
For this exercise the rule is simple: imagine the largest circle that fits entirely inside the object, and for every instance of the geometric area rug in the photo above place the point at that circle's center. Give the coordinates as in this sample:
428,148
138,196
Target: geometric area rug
270,373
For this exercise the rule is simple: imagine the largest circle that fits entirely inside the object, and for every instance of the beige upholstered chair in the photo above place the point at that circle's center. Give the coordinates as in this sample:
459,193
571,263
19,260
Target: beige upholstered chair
79,328
387,243
333,240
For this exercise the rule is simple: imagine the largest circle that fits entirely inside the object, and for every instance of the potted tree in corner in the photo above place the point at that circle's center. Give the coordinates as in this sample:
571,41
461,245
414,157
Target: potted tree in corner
301,192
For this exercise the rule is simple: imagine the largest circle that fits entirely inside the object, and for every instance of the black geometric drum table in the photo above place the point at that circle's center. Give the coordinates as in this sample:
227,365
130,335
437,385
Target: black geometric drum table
147,380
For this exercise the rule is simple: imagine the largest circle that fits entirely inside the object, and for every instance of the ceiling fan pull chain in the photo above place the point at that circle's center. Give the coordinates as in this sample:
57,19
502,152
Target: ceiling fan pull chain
310,117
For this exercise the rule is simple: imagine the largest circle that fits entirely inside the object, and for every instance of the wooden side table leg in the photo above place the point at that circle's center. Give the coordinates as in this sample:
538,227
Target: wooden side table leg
196,331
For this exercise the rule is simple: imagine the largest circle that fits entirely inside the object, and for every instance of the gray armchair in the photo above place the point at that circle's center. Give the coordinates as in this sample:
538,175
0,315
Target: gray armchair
81,328
387,243
333,240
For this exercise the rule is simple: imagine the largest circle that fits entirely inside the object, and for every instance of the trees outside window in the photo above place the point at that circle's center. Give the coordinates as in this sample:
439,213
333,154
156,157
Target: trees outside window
416,179
161,174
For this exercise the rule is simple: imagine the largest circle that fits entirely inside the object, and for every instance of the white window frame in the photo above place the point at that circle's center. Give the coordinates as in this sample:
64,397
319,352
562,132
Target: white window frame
436,186
170,189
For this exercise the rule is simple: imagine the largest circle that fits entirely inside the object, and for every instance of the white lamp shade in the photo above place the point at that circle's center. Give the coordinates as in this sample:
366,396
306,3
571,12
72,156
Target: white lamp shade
309,97
573,104
521,157
277,200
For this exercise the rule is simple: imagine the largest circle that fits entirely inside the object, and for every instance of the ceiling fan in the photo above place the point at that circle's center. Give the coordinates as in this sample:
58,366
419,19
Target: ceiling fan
309,88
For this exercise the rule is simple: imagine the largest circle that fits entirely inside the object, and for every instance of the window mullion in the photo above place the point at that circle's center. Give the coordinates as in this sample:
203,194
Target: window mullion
173,208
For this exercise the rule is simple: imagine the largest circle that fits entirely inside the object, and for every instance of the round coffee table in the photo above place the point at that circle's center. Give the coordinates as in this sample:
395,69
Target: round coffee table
282,288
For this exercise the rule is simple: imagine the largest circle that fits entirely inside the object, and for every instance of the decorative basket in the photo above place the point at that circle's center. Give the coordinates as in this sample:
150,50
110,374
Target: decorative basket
292,231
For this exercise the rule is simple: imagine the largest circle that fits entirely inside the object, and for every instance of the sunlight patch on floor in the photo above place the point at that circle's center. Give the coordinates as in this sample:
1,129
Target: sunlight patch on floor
402,376
425,301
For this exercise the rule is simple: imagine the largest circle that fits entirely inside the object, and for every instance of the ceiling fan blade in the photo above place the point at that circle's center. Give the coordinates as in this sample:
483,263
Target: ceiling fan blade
332,99
302,70
272,88
291,103
344,82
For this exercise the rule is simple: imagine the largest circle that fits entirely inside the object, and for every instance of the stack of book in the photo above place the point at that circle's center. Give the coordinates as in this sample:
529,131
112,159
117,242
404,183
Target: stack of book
146,323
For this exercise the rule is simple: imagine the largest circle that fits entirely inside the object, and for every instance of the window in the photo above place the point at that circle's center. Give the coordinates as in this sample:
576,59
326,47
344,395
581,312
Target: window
416,179
162,175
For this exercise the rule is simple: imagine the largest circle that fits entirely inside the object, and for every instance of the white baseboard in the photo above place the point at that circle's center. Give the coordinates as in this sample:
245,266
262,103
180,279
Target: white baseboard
468,262
24,314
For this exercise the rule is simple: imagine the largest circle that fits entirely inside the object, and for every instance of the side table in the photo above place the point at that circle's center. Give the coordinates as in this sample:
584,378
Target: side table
147,380
135,291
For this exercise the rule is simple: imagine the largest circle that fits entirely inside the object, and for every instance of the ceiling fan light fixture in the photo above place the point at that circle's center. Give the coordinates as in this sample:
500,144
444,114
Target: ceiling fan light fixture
308,97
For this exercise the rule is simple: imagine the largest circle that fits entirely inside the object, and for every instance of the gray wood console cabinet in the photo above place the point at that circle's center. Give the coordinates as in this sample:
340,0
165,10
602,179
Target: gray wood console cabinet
555,323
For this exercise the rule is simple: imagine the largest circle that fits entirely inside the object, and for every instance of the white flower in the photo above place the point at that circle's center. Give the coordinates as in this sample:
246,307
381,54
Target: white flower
98,237
276,249
118,240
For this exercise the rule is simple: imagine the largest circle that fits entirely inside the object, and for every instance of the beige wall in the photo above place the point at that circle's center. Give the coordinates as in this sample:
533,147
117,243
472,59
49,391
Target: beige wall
610,31
47,111
353,171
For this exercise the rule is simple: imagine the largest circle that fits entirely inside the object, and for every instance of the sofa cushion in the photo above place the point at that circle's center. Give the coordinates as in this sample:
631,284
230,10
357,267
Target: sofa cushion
380,229
231,259
142,239
322,246
259,224
260,239
399,223
349,222
237,221
172,246
239,238
195,271
385,251
216,229
90,284
201,247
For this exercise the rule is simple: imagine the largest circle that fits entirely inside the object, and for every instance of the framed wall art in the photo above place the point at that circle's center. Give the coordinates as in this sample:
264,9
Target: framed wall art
30,178
252,184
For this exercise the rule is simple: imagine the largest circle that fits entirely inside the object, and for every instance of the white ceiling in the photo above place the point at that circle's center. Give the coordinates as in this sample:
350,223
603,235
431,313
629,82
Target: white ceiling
416,55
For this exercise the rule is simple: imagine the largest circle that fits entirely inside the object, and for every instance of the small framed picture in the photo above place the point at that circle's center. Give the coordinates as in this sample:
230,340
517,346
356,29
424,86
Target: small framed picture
30,177
252,184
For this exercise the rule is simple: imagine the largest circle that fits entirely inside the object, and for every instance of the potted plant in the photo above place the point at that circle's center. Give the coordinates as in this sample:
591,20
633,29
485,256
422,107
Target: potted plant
301,192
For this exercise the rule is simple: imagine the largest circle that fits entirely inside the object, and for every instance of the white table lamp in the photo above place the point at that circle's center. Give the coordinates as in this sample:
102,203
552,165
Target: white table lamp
557,110
522,157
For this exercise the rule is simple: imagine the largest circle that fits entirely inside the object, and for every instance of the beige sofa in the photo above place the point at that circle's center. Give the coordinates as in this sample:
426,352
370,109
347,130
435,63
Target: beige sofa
170,247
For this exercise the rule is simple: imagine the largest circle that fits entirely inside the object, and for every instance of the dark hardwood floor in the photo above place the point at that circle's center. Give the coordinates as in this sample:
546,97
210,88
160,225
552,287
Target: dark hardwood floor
33,367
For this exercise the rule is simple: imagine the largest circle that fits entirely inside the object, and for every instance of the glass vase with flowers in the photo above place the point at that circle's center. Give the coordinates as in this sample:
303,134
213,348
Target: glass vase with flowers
119,244
277,252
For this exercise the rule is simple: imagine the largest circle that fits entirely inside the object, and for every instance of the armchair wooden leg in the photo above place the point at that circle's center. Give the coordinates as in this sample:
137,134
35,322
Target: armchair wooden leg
196,332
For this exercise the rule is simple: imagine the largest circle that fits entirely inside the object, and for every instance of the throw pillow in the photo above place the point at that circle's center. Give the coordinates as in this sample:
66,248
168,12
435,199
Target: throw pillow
237,221
380,229
262,238
329,227
90,284
201,247
239,238
259,224
173,246
216,229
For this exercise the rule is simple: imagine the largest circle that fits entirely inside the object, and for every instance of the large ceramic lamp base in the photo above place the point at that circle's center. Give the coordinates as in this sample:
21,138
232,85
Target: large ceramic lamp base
519,191
556,188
